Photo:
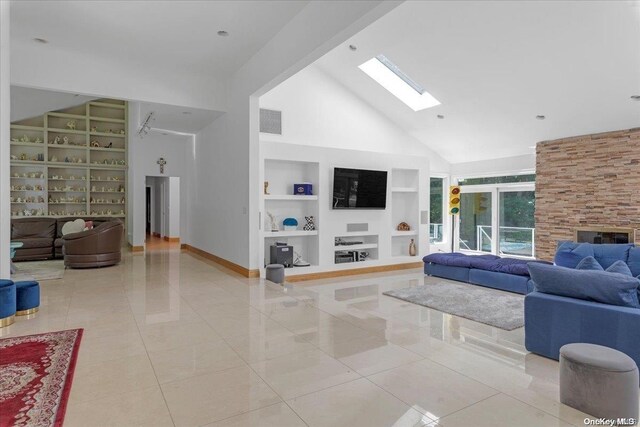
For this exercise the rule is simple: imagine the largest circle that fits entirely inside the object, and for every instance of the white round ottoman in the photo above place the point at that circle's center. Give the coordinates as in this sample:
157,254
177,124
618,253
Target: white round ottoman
599,381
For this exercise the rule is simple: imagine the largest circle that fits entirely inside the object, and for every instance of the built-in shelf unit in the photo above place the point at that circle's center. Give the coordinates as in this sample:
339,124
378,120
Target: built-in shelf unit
372,230
71,162
280,203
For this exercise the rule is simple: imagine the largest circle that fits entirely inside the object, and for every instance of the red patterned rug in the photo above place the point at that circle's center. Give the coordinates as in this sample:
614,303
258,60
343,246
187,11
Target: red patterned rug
36,372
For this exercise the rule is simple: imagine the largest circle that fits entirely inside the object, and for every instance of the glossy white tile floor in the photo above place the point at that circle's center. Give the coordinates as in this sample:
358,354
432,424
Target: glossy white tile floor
173,340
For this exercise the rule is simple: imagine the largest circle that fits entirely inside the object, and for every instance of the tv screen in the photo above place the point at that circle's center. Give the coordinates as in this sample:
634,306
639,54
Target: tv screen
359,189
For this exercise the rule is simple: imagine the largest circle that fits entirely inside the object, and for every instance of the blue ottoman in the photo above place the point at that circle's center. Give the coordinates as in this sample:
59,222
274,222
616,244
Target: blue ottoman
27,297
7,302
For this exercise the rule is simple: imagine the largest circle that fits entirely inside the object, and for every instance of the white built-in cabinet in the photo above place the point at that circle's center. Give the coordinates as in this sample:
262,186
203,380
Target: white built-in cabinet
283,165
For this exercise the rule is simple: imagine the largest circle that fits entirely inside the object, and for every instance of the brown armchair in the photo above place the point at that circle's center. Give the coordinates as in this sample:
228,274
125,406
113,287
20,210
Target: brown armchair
99,247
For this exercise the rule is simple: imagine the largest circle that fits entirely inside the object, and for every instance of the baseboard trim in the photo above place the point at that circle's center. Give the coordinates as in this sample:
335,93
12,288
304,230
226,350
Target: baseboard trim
136,248
352,271
154,234
223,262
171,239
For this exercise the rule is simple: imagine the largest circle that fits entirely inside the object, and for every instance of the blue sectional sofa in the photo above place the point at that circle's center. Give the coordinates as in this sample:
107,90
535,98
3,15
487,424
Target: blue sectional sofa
507,274
553,320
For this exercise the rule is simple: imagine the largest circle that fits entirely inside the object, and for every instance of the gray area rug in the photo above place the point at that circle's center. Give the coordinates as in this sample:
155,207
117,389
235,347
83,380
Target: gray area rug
503,310
38,270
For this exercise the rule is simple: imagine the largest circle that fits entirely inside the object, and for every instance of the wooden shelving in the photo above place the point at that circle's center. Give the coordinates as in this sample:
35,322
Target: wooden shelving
72,125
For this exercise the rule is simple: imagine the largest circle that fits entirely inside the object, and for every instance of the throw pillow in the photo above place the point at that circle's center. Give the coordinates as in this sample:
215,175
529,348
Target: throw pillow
589,263
570,254
73,227
590,285
620,267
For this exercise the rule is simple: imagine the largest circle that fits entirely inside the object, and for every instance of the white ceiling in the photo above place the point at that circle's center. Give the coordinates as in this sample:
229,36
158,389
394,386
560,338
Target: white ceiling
174,34
171,117
494,66
27,102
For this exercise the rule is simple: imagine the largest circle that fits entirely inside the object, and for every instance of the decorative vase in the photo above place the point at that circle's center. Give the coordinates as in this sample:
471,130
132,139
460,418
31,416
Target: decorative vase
412,248
311,223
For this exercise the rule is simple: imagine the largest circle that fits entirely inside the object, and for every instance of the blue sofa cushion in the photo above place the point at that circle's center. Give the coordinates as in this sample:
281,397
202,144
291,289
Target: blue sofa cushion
589,263
599,286
634,261
569,254
455,259
607,254
619,267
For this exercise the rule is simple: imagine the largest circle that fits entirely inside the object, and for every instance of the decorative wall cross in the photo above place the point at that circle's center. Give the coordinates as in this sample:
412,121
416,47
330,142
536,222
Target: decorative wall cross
161,161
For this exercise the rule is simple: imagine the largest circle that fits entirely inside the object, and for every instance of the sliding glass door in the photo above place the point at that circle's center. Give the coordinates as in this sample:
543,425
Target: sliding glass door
497,219
476,232
517,224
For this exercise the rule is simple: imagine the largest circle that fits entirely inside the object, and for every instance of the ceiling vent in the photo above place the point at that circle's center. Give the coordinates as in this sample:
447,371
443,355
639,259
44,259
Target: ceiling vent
271,121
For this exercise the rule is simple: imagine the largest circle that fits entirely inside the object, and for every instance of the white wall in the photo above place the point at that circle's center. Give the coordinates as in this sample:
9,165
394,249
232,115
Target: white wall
5,207
331,222
225,219
172,206
87,74
144,153
495,167
319,111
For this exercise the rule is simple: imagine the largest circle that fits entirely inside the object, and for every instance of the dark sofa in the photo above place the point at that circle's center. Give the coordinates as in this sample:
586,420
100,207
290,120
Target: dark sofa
42,236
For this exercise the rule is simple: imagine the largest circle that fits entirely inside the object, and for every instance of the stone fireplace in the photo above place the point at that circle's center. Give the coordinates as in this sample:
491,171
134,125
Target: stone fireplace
588,183
605,235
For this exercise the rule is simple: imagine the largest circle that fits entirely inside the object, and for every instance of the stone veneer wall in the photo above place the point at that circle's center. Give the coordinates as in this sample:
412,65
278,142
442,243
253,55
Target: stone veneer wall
584,181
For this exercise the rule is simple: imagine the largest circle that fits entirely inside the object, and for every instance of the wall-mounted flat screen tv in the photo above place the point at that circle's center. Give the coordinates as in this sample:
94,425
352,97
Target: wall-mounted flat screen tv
359,189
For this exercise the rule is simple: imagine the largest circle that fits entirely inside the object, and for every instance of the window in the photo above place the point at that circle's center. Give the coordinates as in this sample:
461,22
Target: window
497,179
436,211
389,76
497,215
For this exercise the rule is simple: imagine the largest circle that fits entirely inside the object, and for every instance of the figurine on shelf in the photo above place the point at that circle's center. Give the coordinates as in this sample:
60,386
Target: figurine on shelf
403,226
93,129
412,248
37,140
25,138
110,145
15,139
14,157
23,156
95,144
311,223
65,140
53,159
71,124
56,140
121,131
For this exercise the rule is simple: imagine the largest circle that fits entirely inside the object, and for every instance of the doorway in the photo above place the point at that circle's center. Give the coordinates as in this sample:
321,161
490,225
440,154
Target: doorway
162,214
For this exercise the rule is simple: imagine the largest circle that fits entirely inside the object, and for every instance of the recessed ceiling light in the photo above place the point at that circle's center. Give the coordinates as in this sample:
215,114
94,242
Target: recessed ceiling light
635,97
353,47
389,76
39,40
186,112
540,117
223,33
440,116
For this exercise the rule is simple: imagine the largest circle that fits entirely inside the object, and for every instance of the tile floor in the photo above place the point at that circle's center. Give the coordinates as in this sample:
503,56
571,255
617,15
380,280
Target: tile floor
174,340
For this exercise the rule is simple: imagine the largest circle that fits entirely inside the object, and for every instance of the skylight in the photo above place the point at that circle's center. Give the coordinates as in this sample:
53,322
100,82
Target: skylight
387,74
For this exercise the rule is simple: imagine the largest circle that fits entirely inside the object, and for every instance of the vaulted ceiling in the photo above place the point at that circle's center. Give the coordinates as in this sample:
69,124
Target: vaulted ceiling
495,66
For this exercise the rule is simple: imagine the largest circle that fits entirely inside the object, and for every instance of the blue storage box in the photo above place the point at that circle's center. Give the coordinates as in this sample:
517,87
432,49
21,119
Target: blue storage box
303,189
